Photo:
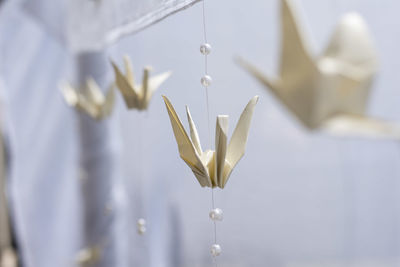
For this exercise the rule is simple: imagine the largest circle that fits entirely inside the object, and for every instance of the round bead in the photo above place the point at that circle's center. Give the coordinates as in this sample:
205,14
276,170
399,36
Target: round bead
141,222
206,80
141,230
216,215
205,49
141,226
216,250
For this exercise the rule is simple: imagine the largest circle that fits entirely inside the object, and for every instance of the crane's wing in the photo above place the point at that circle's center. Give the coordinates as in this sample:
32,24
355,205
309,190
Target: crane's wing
263,79
109,101
237,145
185,146
353,125
155,82
131,97
296,61
298,102
145,88
70,95
129,70
221,138
94,92
193,133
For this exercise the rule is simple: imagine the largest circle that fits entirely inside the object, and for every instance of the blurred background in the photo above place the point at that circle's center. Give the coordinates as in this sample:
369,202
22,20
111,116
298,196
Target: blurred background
296,199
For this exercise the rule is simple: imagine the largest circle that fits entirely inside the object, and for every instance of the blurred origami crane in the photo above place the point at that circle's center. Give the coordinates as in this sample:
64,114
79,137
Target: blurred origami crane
329,92
212,168
88,257
90,100
137,96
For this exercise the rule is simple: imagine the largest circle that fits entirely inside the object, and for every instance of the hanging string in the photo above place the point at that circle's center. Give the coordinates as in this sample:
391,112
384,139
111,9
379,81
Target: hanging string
213,252
215,214
205,52
141,222
215,223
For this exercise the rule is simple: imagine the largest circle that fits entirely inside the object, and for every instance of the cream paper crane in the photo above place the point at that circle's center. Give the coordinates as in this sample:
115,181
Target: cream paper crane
137,96
8,254
212,168
329,92
91,99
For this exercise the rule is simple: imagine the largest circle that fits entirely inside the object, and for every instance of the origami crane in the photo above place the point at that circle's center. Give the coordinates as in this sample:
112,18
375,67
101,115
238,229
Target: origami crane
137,96
8,254
329,92
88,257
212,168
90,100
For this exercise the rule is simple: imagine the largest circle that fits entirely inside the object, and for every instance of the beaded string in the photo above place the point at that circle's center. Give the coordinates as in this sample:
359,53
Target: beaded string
216,214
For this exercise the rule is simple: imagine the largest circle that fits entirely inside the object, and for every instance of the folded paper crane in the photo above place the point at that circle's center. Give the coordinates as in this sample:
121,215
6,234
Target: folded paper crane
137,96
329,92
90,100
88,257
212,168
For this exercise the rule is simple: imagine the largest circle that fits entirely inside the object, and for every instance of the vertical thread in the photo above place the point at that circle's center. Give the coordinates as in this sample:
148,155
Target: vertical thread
213,207
208,121
204,21
206,73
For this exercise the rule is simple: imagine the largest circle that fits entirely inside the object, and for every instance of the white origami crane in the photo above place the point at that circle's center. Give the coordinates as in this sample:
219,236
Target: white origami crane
329,92
212,168
137,96
90,100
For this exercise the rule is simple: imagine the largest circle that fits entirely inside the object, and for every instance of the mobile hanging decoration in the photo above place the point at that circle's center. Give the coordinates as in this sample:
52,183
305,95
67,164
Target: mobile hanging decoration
137,96
212,168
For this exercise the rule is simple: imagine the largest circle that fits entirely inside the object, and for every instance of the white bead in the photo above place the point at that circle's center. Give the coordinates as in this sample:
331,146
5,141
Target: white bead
141,226
206,80
216,215
141,230
205,49
141,222
216,250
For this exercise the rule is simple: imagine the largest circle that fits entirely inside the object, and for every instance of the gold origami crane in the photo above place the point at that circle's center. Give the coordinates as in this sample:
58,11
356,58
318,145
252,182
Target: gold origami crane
137,96
90,100
331,91
212,168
